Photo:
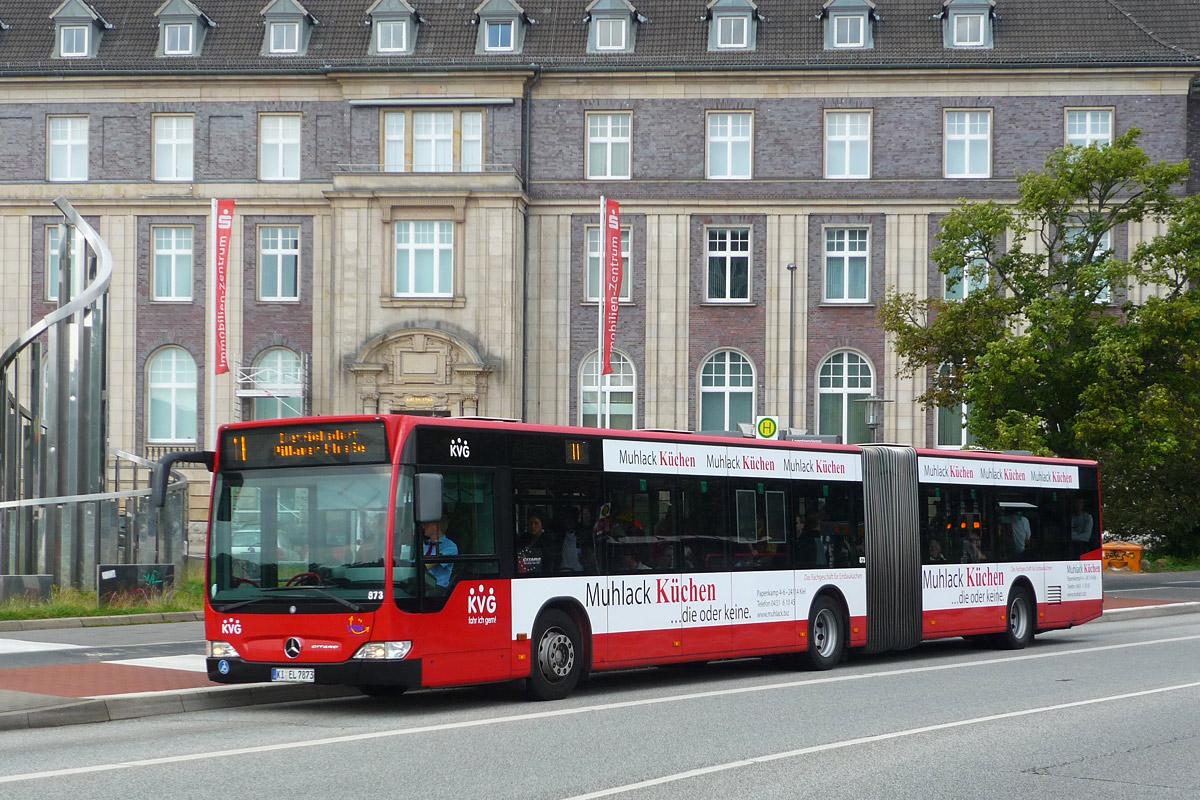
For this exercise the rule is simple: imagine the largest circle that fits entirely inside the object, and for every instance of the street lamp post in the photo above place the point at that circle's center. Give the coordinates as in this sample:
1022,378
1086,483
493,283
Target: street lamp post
874,413
791,345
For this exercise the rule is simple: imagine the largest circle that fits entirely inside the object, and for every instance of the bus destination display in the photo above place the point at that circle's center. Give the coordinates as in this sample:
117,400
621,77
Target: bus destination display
322,444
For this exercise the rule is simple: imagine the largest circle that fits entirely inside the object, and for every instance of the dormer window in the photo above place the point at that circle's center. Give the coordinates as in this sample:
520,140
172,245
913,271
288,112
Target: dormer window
502,25
610,34
285,37
177,39
77,29
500,35
394,27
967,23
609,29
391,36
288,28
848,24
181,28
73,41
732,24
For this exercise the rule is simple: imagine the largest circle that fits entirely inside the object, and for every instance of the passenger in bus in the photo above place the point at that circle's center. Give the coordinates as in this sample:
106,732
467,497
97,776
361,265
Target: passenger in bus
936,555
437,544
578,552
1081,528
534,553
972,552
630,562
1018,525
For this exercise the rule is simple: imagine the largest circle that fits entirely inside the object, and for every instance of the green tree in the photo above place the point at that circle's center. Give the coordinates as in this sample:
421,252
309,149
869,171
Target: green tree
1042,354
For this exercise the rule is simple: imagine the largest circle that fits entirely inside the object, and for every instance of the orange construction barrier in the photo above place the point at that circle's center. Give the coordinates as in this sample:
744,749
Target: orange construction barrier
1122,556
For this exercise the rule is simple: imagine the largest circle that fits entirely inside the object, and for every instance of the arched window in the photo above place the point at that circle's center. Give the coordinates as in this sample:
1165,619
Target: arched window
278,384
606,401
726,392
843,379
172,383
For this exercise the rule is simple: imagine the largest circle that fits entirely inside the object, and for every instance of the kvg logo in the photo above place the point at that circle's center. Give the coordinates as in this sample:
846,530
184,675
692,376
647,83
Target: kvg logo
479,604
231,625
459,448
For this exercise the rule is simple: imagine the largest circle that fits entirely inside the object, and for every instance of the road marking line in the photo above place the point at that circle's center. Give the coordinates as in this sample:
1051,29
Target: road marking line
882,737
186,663
566,712
15,646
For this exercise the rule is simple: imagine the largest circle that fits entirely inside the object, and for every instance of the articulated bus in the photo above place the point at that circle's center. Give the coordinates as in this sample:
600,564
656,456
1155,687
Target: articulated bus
394,552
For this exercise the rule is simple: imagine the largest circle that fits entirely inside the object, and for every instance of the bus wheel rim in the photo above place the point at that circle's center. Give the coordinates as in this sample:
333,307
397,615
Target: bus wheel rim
824,633
1018,618
556,654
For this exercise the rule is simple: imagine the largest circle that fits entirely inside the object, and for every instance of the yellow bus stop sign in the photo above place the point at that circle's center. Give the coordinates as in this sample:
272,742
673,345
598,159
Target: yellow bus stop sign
766,428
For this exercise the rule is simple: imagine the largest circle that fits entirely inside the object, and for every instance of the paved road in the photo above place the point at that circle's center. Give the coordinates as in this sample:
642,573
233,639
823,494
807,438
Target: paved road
1102,711
1173,586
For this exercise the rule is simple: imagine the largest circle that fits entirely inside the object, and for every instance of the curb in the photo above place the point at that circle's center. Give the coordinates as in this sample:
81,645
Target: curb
1146,612
14,625
115,708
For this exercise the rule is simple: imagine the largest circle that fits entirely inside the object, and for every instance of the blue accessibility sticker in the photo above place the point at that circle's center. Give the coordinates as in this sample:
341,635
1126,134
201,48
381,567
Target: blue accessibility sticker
223,667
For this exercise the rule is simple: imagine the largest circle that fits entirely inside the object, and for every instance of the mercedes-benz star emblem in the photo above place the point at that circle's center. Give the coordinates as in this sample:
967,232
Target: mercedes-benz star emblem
291,648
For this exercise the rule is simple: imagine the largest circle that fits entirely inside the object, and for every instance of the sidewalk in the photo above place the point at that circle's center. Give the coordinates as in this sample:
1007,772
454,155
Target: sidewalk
71,694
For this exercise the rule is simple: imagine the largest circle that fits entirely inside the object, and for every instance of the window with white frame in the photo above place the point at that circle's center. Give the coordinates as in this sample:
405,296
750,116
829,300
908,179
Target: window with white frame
608,146
54,259
68,148
726,392
595,261
728,274
731,31
394,124
285,37
424,259
843,381
729,141
433,141
846,264
848,144
1102,253
279,151
849,30
391,36
172,280
279,263
607,401
960,284
968,144
173,147
171,381
471,141
610,34
1088,126
500,35
968,28
952,430
74,41
178,38
277,374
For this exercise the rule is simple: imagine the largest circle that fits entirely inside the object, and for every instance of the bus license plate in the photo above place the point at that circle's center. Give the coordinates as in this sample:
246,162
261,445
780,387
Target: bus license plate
293,675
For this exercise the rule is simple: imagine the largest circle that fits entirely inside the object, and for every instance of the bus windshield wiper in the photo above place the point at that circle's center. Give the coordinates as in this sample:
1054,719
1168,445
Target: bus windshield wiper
318,590
232,606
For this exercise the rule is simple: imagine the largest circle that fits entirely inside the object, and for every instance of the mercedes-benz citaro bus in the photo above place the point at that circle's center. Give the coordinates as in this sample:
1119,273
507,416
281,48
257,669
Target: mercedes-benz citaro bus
395,552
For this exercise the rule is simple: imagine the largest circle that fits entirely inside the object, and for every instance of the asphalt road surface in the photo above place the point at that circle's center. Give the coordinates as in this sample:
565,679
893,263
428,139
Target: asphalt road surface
1102,711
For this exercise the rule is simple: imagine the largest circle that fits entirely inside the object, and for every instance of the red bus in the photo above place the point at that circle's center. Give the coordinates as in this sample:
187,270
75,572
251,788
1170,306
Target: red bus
390,552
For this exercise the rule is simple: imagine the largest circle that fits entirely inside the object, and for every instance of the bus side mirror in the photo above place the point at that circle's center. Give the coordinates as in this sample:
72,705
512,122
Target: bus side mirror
427,491
160,474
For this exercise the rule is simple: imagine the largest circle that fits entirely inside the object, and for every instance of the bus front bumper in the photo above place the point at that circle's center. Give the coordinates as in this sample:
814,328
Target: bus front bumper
346,673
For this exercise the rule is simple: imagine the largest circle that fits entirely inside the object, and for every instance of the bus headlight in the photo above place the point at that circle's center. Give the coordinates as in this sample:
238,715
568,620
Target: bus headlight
390,650
221,650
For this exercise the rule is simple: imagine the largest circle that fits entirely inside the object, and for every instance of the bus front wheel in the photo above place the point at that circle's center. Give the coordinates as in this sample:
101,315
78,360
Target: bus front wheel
826,634
557,653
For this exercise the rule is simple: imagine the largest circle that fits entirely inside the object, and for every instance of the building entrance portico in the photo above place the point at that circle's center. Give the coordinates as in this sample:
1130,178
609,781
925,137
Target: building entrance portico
421,371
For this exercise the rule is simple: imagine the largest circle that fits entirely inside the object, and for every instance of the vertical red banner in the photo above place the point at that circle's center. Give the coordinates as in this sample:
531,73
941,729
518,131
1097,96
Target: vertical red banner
611,282
224,216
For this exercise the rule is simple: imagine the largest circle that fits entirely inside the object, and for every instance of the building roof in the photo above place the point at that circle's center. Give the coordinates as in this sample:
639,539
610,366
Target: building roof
790,35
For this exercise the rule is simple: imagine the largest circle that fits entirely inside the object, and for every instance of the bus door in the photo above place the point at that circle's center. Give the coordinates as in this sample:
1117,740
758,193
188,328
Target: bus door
640,550
706,545
762,611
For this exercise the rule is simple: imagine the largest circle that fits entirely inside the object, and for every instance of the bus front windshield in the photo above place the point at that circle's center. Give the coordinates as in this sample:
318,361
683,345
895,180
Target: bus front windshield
311,535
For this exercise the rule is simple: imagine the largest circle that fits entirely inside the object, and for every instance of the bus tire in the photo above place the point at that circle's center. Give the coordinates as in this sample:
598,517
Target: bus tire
1020,620
556,655
826,634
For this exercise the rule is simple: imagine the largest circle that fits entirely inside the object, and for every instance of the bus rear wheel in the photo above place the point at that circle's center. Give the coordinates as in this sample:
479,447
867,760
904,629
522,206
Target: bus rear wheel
1021,621
826,634
557,657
